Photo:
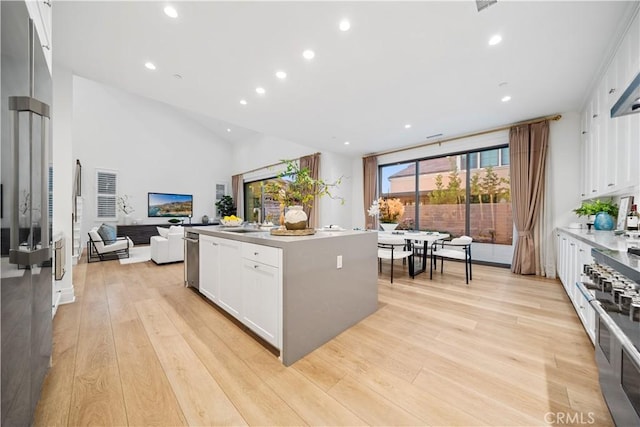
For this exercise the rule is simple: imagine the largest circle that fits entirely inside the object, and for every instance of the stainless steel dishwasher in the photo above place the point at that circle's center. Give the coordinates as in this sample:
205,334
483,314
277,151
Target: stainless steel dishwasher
191,259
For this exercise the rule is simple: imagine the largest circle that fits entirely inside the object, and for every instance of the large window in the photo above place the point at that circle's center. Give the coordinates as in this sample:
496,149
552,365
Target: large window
259,206
461,194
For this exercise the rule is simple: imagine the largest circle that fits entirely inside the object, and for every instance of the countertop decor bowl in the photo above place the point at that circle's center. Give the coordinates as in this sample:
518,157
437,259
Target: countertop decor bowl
231,222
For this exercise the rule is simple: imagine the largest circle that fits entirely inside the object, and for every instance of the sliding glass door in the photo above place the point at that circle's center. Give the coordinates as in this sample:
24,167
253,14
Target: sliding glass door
461,194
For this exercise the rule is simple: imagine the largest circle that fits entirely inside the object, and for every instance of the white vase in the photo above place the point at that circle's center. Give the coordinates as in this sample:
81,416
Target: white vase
127,219
388,226
295,218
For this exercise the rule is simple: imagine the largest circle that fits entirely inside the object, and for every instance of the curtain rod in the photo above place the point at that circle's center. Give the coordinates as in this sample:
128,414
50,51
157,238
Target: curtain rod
555,117
274,164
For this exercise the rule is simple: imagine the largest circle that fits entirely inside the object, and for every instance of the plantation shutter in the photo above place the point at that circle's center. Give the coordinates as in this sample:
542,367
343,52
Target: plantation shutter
106,191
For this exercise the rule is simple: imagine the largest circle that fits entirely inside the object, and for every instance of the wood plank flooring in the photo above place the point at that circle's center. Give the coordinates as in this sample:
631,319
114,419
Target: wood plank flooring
137,348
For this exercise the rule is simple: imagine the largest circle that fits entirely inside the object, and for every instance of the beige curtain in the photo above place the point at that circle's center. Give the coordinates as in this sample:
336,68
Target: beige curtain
237,192
528,151
312,162
370,180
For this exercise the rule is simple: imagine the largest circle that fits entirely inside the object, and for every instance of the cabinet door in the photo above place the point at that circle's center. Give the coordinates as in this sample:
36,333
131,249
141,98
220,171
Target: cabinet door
261,286
209,267
585,189
564,259
230,291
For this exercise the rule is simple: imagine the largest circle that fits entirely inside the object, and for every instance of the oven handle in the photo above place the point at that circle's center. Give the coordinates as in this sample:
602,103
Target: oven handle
187,239
633,353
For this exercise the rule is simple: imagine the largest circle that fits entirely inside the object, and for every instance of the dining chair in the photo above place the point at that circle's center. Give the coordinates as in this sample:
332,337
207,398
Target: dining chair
393,248
458,248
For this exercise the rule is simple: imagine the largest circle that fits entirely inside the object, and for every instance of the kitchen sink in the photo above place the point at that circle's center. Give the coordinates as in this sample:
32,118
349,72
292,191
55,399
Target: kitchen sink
241,230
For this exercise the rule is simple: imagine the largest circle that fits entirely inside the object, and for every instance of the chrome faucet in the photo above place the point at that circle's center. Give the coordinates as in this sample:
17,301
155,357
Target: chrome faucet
257,210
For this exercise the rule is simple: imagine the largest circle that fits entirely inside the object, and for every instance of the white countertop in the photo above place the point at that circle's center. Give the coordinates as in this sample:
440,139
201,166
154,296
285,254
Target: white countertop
598,238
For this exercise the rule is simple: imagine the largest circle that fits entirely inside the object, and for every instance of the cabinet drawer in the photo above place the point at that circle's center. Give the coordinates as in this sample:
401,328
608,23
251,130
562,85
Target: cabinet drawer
264,254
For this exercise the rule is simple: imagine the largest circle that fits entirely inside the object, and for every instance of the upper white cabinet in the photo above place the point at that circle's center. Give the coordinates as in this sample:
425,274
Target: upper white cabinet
610,149
40,13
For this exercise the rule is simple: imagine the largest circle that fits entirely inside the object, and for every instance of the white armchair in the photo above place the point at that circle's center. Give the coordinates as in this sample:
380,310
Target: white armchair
102,249
168,248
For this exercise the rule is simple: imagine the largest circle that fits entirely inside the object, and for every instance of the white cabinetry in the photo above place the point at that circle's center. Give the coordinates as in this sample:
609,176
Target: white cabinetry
610,151
40,13
586,313
246,281
262,291
209,267
230,263
573,254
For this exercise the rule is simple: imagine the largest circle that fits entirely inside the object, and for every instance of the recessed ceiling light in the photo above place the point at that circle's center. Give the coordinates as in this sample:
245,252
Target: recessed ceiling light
150,65
506,98
228,130
346,143
495,40
308,54
260,90
344,25
171,12
407,126
243,102
281,75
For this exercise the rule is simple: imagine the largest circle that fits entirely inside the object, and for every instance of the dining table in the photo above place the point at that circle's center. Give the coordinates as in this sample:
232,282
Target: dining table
427,238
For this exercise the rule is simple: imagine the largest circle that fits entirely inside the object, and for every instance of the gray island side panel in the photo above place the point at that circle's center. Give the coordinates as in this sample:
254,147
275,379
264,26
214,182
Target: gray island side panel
319,300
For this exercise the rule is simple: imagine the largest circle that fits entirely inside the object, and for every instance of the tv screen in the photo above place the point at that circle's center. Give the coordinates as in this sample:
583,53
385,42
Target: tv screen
170,205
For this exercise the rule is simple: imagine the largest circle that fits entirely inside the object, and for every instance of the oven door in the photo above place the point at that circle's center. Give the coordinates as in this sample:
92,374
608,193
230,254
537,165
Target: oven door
619,375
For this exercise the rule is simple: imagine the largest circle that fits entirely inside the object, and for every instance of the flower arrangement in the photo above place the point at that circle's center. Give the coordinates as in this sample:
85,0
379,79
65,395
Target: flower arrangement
389,210
124,205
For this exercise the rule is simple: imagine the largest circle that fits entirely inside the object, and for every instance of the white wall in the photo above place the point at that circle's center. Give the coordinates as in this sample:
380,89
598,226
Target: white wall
153,146
563,169
63,168
261,150
562,189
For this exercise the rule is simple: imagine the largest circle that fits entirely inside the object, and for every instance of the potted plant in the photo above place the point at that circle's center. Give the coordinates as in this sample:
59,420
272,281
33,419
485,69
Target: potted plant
225,206
295,189
604,211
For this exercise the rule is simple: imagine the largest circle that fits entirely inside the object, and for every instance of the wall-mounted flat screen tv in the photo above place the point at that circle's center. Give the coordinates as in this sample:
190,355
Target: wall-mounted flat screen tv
170,205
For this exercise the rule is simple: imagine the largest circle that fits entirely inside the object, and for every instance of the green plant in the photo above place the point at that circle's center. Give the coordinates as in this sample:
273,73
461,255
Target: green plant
225,206
175,220
295,186
596,206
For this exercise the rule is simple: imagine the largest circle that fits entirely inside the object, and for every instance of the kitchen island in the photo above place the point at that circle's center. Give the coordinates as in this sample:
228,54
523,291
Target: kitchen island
296,292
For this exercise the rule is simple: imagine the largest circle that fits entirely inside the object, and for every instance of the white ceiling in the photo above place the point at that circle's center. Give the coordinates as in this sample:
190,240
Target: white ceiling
424,63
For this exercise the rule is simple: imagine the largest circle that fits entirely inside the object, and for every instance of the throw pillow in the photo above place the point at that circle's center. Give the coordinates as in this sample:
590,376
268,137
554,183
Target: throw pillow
107,232
163,231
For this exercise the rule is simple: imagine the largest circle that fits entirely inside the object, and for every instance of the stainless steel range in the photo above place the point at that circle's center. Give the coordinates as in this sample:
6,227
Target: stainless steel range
613,282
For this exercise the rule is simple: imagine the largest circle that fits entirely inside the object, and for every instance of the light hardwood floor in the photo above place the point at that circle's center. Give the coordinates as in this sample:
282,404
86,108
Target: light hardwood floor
137,348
